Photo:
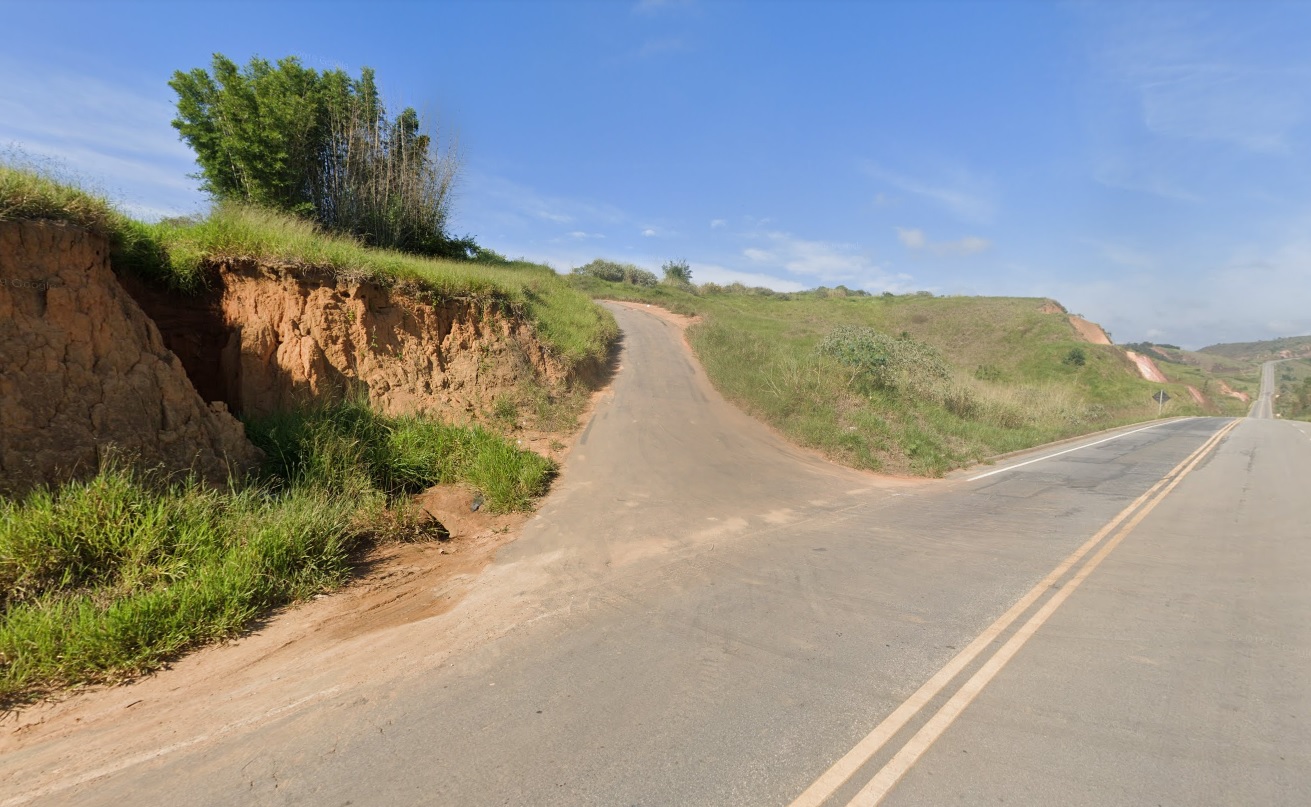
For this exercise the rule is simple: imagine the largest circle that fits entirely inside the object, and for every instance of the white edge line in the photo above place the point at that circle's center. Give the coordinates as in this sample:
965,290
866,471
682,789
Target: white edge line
1059,453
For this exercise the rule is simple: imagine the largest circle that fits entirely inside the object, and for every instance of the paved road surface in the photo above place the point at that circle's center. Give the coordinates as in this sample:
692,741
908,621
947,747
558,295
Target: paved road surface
1264,406
722,619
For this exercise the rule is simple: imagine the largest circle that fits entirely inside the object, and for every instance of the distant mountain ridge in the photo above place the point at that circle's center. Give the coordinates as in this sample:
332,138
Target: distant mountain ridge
1288,347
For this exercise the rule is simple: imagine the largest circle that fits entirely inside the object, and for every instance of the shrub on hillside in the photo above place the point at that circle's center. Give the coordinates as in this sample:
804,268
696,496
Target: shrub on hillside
615,272
883,362
677,273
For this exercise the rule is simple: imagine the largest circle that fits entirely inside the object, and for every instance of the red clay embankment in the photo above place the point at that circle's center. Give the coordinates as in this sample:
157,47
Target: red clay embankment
84,372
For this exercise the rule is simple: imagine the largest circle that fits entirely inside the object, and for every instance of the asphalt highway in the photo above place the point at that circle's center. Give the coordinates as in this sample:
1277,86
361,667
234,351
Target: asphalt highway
718,618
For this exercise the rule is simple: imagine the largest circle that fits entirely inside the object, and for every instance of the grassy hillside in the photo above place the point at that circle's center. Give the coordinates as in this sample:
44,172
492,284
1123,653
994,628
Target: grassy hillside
1293,384
1215,375
1286,347
1014,376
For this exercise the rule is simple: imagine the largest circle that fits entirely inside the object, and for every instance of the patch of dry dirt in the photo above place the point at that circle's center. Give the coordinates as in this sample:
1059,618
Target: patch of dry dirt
1233,393
82,368
1147,368
1089,331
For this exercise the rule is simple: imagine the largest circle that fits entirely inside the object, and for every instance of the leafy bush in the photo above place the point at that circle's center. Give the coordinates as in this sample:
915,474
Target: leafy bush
882,362
614,272
1076,357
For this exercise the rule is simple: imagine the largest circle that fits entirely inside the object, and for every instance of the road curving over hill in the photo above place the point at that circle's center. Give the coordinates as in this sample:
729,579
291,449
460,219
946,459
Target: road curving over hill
704,614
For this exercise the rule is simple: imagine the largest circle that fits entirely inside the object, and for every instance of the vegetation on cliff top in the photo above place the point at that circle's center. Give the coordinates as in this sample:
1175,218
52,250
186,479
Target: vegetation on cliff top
175,254
319,145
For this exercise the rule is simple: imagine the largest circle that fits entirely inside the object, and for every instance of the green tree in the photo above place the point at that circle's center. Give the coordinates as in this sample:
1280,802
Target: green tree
319,145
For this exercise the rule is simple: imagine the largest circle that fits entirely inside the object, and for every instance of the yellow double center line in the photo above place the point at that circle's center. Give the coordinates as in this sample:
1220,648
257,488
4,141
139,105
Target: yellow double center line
888,776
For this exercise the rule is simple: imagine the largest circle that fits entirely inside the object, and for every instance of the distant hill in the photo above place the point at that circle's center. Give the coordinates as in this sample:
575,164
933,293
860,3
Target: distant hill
1215,363
1288,347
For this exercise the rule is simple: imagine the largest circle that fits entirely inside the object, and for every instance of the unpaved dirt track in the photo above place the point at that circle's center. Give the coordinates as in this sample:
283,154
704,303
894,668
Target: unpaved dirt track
702,614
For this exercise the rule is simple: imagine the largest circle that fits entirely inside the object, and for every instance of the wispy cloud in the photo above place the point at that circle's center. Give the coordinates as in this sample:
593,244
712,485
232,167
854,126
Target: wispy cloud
1141,174
1253,109
1239,297
1193,79
1121,255
716,224
911,239
116,135
964,195
823,262
715,273
513,199
916,240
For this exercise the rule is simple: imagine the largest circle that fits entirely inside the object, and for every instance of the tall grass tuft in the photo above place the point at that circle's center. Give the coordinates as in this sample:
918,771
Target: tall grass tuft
104,579
351,446
111,577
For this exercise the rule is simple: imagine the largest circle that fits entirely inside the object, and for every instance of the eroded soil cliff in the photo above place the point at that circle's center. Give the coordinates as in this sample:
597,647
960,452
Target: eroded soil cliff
270,338
83,371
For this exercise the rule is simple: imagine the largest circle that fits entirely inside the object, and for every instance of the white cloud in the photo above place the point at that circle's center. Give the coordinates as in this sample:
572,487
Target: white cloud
580,235
113,136
716,224
1122,255
912,239
1192,79
1241,298
965,196
916,240
649,232
823,262
510,202
714,273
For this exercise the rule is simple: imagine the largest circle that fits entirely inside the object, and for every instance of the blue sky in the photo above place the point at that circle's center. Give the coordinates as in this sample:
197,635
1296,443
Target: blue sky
1147,164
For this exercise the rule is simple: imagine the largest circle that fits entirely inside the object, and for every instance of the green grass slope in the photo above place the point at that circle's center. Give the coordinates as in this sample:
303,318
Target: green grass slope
1286,347
1216,376
1013,376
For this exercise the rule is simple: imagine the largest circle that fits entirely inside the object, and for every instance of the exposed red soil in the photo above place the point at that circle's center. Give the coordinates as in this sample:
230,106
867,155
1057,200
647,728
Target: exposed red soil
1089,331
